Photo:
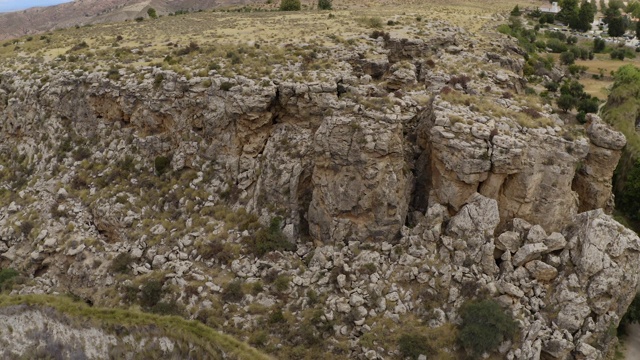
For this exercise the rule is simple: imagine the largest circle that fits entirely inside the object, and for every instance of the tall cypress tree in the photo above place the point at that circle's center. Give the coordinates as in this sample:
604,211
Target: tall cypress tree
585,17
569,12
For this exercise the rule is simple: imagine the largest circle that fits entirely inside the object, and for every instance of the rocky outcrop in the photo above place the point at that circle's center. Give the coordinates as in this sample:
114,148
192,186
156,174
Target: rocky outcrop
593,175
422,187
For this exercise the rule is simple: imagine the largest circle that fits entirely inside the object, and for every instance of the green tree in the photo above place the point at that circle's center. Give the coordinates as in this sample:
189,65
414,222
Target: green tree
638,30
547,19
484,326
616,26
290,5
569,12
628,199
598,45
567,58
325,5
610,13
516,11
589,105
585,17
566,102
616,4
152,13
573,88
536,13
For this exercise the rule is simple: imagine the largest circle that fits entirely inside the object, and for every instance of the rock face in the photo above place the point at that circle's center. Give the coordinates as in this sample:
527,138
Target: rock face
594,173
181,177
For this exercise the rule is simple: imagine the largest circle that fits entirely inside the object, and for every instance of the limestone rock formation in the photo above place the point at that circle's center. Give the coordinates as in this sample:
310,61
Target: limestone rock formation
386,185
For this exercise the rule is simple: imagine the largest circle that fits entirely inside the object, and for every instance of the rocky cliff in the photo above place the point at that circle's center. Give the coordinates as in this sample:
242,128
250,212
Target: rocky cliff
410,182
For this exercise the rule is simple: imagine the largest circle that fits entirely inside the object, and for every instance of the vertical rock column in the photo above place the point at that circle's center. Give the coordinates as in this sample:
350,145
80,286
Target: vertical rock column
592,181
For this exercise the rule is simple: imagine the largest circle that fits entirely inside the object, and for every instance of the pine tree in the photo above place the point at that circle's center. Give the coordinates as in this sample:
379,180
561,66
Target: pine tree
516,11
569,13
585,17
616,26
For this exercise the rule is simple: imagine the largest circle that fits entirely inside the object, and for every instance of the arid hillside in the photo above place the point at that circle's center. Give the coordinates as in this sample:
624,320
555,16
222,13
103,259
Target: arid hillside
83,12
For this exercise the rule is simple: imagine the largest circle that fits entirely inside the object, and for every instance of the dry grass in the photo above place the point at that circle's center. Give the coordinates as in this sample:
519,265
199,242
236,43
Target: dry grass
594,87
213,30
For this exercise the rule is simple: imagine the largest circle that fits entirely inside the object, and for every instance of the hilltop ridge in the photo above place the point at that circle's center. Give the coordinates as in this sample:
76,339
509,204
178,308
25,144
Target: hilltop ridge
84,12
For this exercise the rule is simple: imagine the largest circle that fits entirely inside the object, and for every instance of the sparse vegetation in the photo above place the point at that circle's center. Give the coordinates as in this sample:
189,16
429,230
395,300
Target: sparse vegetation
7,278
325,5
174,327
270,239
161,164
290,5
484,326
121,263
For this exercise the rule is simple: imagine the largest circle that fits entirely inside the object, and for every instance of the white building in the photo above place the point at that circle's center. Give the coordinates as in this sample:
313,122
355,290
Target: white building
553,9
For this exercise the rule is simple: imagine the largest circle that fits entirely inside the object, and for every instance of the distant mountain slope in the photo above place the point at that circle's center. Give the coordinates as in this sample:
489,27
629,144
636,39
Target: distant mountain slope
82,12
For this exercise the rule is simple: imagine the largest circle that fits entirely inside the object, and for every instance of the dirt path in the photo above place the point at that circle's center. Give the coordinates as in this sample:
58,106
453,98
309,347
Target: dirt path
632,342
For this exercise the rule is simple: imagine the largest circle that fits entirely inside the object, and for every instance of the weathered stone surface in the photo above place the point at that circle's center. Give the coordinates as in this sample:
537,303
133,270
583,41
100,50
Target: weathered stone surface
555,241
527,253
558,348
379,191
541,271
593,177
509,241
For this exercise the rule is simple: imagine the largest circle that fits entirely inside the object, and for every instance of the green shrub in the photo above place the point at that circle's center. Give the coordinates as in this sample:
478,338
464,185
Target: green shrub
371,22
276,317
80,46
577,69
556,46
269,239
413,345
484,326
281,284
157,80
567,58
599,45
589,105
81,153
7,277
161,164
113,74
566,102
167,308
552,86
618,54
233,292
290,5
226,86
152,13
324,5
151,293
259,339
120,264
26,227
